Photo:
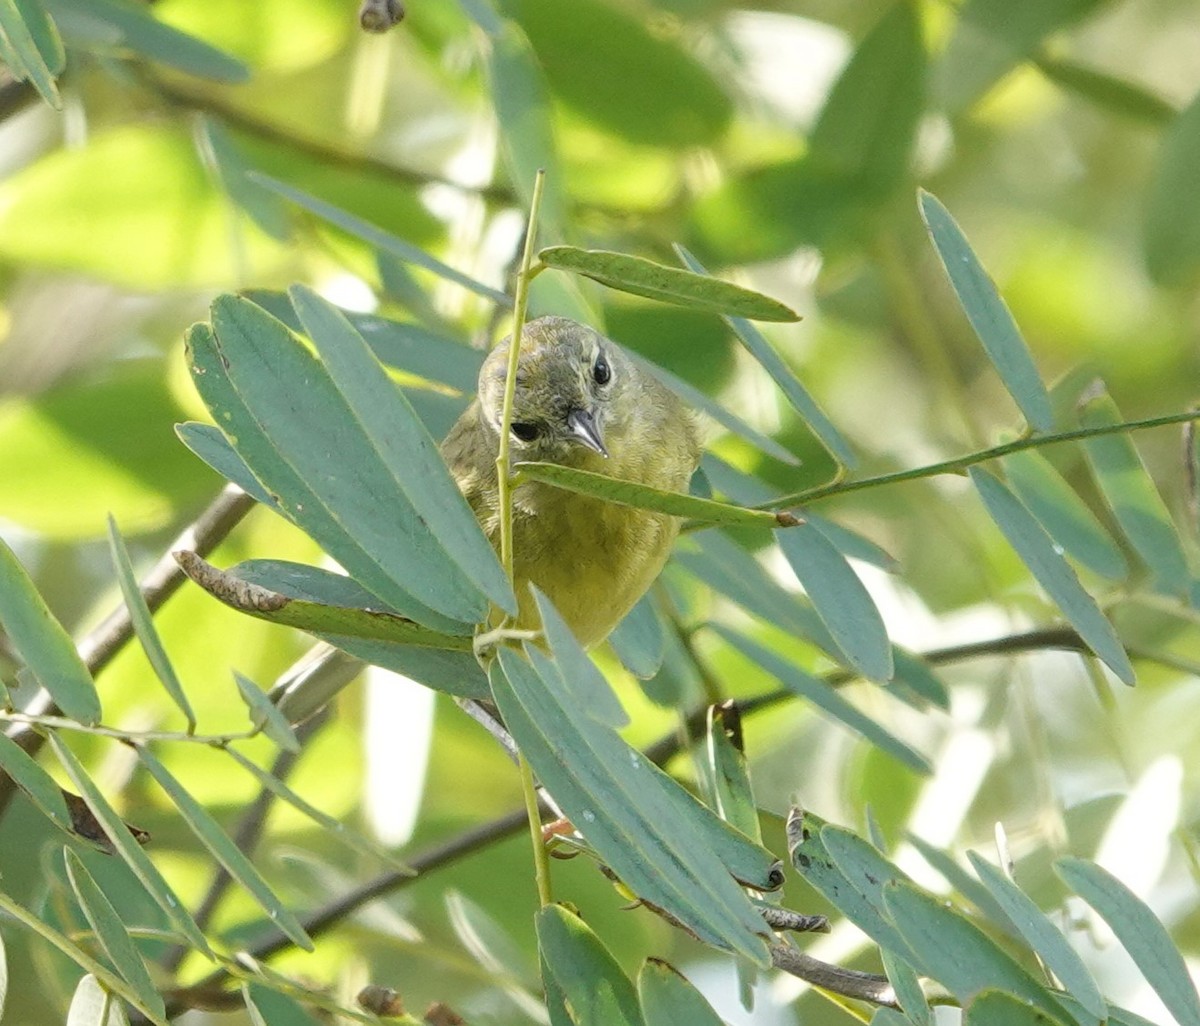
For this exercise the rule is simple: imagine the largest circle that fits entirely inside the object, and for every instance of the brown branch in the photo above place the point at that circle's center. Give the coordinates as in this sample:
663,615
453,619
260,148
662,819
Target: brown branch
847,982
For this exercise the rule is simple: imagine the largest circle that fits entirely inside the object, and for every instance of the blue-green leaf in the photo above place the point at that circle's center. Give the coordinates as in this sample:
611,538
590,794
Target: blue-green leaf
1140,932
208,443
639,641
590,979
841,601
998,1008
1044,937
826,698
42,643
668,999
265,715
988,314
731,777
1052,572
24,771
20,31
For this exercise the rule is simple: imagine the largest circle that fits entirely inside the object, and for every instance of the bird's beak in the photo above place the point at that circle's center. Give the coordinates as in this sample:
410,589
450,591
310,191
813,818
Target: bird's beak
583,426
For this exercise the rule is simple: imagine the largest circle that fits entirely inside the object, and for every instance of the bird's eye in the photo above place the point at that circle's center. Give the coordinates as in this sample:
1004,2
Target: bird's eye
525,432
601,372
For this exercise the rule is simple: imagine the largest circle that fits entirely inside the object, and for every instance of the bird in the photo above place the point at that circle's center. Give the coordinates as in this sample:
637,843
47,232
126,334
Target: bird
582,402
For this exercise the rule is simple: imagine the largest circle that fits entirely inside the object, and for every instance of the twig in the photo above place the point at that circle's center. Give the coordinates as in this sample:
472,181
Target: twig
103,643
847,982
796,922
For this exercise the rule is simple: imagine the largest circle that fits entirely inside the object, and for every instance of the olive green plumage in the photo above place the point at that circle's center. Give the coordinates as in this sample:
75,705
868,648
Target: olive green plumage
581,402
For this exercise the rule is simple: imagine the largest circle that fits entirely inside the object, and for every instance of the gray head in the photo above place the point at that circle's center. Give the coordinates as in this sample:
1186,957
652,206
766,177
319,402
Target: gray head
568,377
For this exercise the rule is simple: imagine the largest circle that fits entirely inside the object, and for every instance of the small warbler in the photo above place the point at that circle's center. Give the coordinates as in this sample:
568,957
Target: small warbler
580,402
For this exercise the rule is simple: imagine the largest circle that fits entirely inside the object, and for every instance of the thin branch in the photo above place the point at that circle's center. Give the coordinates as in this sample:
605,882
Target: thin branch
961,463
847,982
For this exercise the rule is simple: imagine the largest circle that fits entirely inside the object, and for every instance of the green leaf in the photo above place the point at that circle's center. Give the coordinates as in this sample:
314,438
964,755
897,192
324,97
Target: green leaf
378,238
963,882
92,1005
1140,932
143,624
452,672
640,496
638,640
337,827
1171,233
110,931
997,1008
992,37
42,643
21,48
824,697
402,443
727,761
732,423
127,847
221,153
668,999
914,673
357,516
988,314
111,981
213,448
35,782
522,105
1044,937
907,986
141,32
1052,572
841,601
643,277
603,63
804,404
1132,496
265,715
495,949
1110,92
590,979
225,851
256,1017
45,34
317,618
955,952
1063,514
620,802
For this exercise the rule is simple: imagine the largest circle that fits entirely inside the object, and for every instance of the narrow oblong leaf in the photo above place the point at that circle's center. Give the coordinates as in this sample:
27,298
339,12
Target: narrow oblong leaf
955,952
143,624
215,840
1044,937
988,314
1063,514
221,154
804,404
841,601
962,882
907,986
378,238
618,800
640,496
110,931
265,715
1132,496
599,992
406,449
998,1008
1052,572
1171,230
643,277
42,643
34,781
639,641
668,999
731,778
92,1005
208,443
317,618
127,847
824,697
916,674
22,53
1140,932
1113,93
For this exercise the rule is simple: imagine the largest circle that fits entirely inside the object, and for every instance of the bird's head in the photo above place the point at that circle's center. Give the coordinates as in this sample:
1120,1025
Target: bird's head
570,382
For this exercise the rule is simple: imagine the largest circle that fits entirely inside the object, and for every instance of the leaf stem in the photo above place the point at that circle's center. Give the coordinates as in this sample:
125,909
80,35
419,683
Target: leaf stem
541,860
961,463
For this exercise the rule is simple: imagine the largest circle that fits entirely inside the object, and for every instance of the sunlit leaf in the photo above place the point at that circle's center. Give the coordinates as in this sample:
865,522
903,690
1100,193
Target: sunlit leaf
1133,497
758,346
643,277
1110,92
988,314
40,640
668,999
590,979
224,850
1064,515
1043,936
841,601
1140,932
110,931
826,698
92,1005
143,624
1052,572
